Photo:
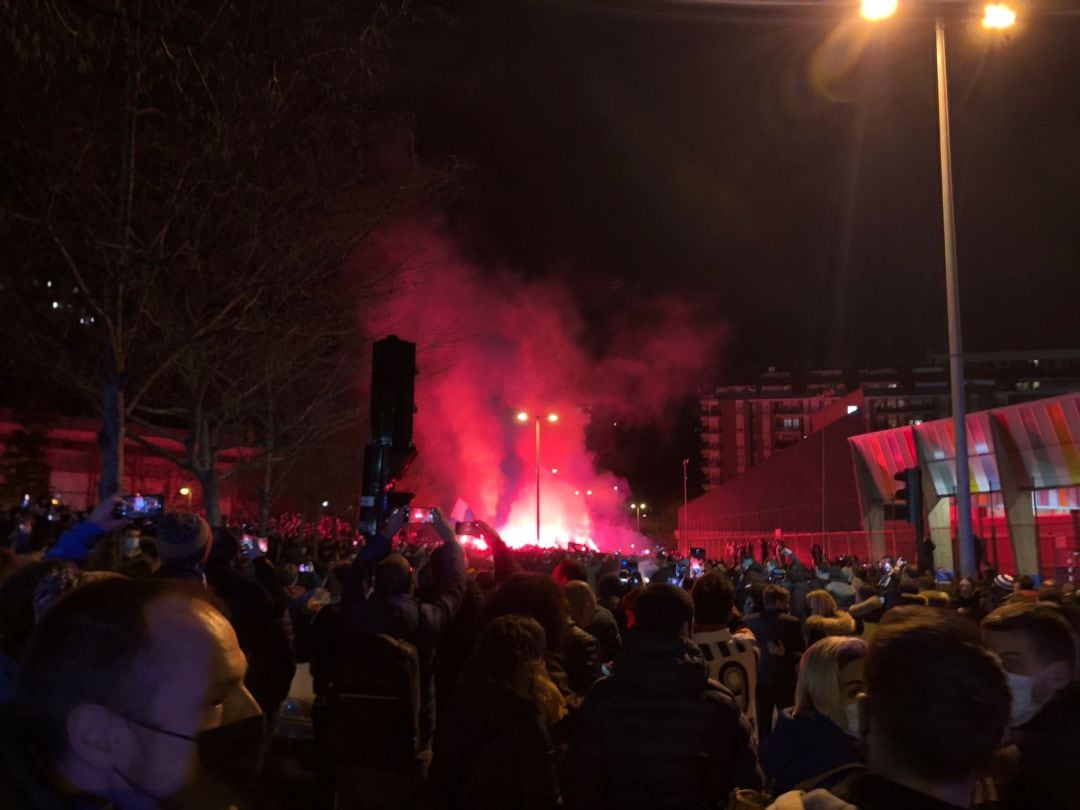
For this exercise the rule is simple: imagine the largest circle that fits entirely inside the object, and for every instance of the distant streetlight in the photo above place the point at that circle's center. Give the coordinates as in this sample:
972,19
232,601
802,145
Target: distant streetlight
186,492
638,507
997,16
552,418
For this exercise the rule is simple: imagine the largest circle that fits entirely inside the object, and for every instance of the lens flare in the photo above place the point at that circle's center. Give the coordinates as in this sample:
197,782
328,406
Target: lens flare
878,9
998,15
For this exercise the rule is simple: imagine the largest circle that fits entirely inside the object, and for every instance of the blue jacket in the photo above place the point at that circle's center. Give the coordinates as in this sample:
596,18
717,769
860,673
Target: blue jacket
803,748
76,543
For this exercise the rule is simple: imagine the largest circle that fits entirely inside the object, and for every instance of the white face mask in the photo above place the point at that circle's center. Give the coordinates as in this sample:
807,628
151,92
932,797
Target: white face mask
1024,707
852,712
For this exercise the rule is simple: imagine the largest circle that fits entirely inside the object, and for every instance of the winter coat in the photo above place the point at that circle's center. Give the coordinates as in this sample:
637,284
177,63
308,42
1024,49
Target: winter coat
819,627
869,791
492,751
777,627
1049,774
421,623
802,748
658,734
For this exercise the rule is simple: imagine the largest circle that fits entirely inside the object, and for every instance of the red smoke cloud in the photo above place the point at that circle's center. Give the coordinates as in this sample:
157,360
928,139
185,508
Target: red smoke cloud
490,345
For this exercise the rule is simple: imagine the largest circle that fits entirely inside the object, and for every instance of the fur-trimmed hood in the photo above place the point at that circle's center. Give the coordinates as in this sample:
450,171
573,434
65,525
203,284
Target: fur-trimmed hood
842,624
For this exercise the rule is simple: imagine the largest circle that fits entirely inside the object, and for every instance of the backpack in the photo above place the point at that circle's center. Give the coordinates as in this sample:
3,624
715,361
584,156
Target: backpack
373,703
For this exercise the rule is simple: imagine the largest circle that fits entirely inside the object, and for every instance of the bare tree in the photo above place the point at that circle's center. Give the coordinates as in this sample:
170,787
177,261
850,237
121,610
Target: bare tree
179,176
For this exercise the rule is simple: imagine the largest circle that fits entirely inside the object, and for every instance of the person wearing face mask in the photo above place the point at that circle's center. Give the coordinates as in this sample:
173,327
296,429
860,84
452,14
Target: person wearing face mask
1036,646
815,743
934,712
130,696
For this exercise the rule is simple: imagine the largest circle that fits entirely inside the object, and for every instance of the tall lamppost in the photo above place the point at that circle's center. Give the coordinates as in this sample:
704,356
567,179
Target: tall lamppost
637,507
685,516
996,16
186,491
552,418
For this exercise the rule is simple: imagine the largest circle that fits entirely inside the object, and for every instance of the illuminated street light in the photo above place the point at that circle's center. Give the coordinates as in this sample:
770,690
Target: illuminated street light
998,15
552,418
186,492
878,9
638,507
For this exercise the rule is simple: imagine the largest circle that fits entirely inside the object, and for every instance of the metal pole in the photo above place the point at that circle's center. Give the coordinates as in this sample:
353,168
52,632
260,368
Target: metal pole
538,480
952,286
685,520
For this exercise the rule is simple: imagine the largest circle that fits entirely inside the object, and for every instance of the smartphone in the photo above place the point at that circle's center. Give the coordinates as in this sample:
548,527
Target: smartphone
697,562
140,506
421,516
469,528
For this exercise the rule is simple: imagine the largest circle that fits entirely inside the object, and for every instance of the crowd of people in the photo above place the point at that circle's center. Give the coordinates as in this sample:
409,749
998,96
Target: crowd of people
146,667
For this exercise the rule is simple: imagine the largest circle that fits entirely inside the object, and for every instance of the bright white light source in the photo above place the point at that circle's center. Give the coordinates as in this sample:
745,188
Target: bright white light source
998,15
852,409
522,416
325,504
878,9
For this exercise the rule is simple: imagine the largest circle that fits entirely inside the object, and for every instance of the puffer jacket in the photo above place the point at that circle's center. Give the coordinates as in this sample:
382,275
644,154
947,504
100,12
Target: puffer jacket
659,734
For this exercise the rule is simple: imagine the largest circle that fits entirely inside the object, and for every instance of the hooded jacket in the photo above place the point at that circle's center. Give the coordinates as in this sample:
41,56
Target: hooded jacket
819,627
659,734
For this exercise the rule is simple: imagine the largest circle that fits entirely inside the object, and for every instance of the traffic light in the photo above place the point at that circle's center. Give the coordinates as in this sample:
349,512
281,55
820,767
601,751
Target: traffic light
911,493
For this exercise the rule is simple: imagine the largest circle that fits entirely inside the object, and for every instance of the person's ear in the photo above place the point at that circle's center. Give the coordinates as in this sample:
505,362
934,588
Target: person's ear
98,736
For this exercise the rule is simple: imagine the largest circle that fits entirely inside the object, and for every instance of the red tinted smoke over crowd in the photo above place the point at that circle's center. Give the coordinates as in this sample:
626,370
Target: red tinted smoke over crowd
491,345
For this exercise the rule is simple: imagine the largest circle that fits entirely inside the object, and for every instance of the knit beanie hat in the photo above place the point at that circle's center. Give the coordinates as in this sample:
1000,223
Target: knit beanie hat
183,538
1004,583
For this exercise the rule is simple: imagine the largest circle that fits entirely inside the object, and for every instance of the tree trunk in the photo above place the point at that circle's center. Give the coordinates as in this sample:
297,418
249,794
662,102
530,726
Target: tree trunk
208,480
111,437
264,494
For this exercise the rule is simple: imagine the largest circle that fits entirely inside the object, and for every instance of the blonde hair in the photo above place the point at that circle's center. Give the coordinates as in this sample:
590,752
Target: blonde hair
821,603
818,690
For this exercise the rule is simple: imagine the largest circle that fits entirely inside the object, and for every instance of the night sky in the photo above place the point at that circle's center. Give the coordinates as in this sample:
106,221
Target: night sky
737,161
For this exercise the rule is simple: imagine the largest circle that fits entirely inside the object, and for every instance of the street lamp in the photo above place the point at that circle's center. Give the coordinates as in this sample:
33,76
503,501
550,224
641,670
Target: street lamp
997,16
186,492
637,507
682,529
552,418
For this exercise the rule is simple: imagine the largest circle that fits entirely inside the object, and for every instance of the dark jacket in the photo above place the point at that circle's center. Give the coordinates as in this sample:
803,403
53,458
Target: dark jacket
605,629
421,623
492,751
659,734
24,784
581,659
1049,773
868,791
804,748
257,611
777,627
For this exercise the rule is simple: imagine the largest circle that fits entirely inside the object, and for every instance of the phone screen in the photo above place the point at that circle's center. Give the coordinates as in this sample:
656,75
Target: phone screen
421,516
142,506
